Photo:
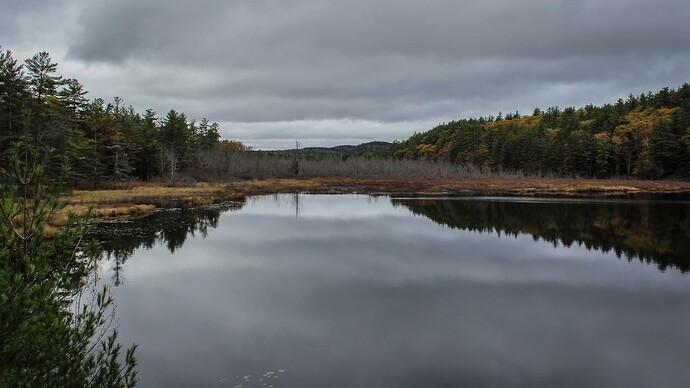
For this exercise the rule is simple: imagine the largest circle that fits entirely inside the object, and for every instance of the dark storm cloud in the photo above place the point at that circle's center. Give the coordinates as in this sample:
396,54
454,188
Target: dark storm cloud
317,32
387,61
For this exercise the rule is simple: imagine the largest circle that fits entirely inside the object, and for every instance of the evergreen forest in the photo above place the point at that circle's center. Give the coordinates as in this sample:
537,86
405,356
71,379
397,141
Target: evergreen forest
94,141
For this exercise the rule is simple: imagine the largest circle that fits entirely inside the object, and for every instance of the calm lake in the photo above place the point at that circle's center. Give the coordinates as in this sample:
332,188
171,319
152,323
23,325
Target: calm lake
360,291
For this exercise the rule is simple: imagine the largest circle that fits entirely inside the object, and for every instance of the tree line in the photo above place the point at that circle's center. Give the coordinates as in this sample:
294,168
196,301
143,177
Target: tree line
94,141
645,136
101,143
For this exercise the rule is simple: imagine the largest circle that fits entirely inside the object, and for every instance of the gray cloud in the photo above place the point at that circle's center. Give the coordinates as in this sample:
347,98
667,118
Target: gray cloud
267,62
36,25
313,32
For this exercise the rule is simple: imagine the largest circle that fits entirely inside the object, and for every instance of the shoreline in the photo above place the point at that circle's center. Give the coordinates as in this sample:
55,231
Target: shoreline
478,186
139,199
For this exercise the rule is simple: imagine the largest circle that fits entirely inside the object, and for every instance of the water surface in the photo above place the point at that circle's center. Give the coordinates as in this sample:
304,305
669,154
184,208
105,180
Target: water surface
352,291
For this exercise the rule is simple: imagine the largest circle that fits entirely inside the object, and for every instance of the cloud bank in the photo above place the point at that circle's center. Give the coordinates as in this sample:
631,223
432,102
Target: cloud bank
328,73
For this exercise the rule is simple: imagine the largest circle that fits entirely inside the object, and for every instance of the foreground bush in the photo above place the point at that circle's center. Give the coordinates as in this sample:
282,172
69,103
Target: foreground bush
56,327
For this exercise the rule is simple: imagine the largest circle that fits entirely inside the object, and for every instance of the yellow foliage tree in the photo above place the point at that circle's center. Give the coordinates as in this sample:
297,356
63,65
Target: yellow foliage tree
631,139
428,150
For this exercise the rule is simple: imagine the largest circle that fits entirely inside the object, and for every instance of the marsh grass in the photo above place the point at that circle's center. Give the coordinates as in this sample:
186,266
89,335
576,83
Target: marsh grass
159,195
137,199
61,218
480,185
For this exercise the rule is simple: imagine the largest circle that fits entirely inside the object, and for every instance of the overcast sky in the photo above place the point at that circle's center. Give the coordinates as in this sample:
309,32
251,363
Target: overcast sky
345,72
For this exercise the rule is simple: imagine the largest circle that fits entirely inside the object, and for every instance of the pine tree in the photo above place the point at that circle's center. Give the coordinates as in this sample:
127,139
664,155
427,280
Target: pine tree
175,141
13,95
42,81
49,335
148,148
73,98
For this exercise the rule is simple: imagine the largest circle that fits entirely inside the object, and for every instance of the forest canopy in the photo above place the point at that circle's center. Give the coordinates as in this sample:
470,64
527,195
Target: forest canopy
645,136
95,141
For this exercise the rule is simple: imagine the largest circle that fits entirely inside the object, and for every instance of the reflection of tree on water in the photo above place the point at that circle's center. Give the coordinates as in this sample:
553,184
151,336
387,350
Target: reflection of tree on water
171,228
295,202
118,258
653,231
292,200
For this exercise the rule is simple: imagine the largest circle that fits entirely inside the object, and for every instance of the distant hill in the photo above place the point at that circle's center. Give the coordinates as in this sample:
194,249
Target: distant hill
364,148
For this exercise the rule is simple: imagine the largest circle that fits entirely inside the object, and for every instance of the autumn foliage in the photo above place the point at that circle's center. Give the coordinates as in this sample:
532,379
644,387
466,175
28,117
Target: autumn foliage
646,136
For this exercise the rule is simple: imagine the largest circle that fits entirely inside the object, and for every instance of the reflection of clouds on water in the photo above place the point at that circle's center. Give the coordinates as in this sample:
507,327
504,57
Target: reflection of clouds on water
395,301
169,228
320,206
402,247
